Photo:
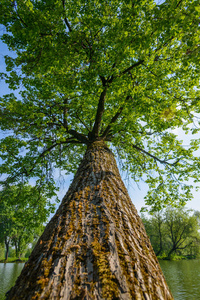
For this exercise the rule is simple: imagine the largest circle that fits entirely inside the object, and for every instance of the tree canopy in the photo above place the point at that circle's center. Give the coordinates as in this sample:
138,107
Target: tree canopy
126,72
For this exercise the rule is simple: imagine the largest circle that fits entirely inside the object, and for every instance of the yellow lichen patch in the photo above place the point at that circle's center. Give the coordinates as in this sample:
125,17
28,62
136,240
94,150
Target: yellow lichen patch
107,279
36,296
42,282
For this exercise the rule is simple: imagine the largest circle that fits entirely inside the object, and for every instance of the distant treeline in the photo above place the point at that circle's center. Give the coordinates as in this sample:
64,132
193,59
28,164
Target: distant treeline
174,233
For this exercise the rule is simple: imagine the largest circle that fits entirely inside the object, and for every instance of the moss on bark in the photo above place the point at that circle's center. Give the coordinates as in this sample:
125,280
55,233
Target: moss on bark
95,247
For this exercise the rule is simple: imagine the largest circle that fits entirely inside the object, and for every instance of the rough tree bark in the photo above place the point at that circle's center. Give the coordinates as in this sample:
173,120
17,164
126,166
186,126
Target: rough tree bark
95,247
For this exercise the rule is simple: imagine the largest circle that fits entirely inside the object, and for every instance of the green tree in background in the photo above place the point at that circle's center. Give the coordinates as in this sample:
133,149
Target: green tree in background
156,231
94,76
182,230
23,211
174,231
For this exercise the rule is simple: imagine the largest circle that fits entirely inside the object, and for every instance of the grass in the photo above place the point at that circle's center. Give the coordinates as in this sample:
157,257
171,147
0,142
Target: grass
177,257
13,259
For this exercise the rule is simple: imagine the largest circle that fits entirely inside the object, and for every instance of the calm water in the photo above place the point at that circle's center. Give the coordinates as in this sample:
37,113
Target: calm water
183,278
8,274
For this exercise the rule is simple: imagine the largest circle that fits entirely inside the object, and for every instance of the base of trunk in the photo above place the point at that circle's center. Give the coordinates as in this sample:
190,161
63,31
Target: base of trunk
95,247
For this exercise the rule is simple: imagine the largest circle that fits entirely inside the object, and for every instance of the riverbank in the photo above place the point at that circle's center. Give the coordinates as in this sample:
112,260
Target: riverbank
164,257
177,257
14,260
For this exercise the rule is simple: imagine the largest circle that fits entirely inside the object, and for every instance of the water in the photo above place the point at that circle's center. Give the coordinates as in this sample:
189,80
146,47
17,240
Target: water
183,278
8,275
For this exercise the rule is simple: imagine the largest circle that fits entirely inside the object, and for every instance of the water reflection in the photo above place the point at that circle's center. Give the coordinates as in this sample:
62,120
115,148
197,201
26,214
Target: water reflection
183,278
8,275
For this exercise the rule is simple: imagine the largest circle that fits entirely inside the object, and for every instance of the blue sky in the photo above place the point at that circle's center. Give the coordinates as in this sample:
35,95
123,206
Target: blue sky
136,192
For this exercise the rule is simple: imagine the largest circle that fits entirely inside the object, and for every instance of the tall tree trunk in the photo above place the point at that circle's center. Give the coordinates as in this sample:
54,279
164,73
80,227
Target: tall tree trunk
16,248
95,247
7,248
160,236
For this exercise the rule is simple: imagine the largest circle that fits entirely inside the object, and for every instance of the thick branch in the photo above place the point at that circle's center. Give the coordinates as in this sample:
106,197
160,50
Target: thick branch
103,80
132,67
110,80
79,136
113,120
99,115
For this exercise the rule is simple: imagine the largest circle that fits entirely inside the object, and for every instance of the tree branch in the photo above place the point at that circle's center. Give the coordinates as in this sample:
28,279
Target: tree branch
15,8
65,19
82,122
65,110
99,115
103,80
110,80
23,170
113,120
155,157
79,136
68,141
179,3
132,67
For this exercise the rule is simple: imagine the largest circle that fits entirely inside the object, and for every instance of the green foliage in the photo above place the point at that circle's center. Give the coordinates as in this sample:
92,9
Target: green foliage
23,211
126,72
174,233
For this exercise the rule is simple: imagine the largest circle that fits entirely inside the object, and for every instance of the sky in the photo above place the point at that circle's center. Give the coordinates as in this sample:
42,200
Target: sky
137,192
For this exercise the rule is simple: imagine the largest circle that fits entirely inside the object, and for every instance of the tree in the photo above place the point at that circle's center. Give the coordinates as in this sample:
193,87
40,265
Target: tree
5,229
23,211
182,229
155,228
93,75
174,231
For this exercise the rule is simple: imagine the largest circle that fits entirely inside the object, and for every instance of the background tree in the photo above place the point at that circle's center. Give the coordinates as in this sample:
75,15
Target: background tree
93,75
174,231
23,211
155,227
182,229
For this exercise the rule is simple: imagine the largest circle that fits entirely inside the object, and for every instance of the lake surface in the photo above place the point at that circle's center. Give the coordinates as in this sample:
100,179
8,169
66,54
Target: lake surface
8,275
183,278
